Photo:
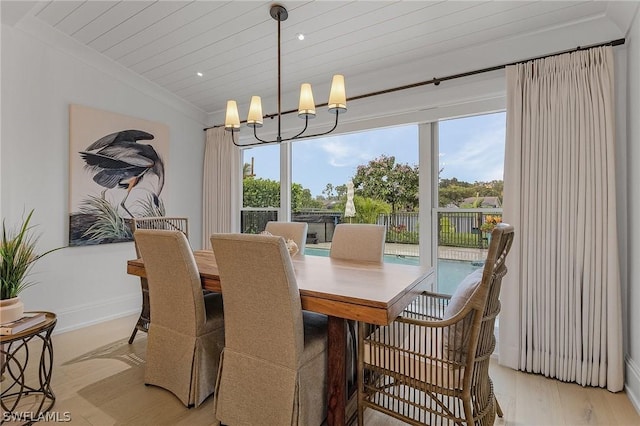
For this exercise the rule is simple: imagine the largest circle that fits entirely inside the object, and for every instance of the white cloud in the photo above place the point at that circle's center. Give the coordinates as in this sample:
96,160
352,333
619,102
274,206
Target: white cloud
341,154
477,157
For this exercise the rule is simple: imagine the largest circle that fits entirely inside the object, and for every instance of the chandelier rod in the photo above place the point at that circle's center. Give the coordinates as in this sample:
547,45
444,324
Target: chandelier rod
436,81
306,109
279,137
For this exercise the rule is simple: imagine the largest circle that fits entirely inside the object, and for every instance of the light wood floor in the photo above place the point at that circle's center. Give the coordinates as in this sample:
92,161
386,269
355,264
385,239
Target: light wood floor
98,380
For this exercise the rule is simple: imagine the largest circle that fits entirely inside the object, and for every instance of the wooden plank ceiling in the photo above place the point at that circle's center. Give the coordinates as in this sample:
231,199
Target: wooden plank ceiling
234,44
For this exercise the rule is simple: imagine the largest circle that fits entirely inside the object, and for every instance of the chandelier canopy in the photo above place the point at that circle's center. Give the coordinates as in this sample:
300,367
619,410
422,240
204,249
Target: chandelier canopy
306,107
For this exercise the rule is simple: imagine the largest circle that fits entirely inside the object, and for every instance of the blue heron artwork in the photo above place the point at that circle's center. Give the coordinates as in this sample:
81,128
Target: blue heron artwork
116,176
119,161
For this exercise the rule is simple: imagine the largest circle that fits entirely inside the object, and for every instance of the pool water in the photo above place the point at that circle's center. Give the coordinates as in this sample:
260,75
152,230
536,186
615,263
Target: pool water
389,258
450,272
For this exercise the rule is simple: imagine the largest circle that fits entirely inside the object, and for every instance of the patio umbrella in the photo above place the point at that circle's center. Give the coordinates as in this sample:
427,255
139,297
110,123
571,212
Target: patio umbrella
349,208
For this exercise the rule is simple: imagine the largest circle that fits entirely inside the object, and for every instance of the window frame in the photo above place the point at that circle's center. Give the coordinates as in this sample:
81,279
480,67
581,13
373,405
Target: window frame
427,160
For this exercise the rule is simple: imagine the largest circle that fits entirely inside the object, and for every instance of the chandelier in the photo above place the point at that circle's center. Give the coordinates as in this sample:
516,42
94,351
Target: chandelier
306,106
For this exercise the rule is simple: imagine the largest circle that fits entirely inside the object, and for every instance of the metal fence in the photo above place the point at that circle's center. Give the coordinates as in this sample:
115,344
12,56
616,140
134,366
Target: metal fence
456,228
402,227
461,227
254,221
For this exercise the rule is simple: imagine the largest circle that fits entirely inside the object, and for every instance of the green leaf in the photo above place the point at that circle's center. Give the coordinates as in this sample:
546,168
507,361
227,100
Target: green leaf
17,257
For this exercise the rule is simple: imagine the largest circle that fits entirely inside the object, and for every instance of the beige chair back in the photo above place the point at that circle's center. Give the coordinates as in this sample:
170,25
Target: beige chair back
273,366
174,280
358,242
160,222
296,231
150,222
262,308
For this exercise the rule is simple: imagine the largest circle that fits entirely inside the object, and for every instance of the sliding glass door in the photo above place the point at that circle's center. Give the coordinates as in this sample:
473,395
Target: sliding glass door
470,164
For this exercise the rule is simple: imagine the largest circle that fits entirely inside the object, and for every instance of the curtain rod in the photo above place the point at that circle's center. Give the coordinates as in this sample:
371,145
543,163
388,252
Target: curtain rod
437,81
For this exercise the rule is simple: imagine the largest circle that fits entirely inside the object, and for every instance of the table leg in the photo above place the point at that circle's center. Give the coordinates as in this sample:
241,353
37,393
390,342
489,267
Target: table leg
337,386
37,394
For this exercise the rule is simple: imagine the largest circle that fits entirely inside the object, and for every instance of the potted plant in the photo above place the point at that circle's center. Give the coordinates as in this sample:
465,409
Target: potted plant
490,222
17,256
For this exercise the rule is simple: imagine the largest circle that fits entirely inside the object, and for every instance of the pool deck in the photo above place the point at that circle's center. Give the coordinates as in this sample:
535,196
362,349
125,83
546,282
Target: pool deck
450,253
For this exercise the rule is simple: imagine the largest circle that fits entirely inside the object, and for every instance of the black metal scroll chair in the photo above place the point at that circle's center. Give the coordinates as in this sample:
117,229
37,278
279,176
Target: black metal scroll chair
431,364
168,223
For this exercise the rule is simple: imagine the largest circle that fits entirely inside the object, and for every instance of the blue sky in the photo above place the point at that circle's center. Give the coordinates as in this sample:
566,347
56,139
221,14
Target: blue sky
471,149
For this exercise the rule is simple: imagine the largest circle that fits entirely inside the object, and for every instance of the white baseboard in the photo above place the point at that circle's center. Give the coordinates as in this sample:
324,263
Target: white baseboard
94,313
632,383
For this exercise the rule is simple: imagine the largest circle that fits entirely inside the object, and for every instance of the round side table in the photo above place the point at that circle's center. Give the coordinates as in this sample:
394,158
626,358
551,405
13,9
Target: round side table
23,397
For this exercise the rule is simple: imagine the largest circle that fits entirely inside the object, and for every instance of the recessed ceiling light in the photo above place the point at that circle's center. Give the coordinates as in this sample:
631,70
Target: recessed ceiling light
199,74
300,36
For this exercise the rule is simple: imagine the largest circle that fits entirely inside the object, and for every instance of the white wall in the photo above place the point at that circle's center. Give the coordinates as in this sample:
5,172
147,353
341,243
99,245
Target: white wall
42,74
632,300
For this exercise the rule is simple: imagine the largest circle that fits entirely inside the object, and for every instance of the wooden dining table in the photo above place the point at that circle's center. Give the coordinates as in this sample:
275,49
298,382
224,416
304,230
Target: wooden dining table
343,290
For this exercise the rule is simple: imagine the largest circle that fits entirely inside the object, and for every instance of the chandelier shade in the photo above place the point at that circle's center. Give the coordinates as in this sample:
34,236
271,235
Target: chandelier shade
232,119
254,119
338,95
306,106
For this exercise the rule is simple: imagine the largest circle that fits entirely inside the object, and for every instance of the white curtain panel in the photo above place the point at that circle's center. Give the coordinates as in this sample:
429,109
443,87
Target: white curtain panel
220,163
561,312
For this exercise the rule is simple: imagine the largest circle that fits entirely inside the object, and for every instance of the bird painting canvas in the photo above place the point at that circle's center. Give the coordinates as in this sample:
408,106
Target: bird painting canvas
118,166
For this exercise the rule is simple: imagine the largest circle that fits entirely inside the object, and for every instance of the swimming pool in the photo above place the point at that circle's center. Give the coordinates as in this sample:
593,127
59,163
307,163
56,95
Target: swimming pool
450,272
390,258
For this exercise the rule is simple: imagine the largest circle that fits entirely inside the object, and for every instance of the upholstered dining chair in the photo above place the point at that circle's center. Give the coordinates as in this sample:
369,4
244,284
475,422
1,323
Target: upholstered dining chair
431,364
186,335
151,222
356,241
296,231
273,367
